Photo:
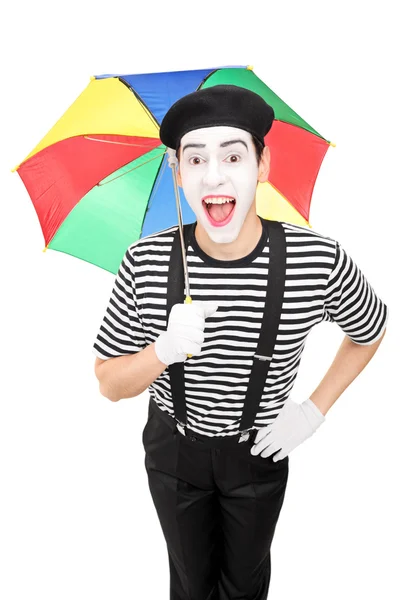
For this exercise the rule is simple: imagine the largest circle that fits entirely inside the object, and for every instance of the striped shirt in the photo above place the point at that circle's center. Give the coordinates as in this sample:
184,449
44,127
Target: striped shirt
322,283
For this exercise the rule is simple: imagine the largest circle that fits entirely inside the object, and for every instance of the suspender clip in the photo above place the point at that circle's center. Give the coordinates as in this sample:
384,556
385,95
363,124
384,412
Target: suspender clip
181,427
244,435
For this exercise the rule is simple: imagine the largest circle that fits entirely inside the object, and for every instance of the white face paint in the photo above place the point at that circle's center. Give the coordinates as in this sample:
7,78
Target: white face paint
219,168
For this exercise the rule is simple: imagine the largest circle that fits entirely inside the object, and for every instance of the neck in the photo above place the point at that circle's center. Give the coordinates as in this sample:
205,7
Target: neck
247,240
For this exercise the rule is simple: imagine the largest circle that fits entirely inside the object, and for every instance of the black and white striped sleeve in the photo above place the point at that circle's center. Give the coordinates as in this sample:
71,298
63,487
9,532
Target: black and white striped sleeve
121,330
351,301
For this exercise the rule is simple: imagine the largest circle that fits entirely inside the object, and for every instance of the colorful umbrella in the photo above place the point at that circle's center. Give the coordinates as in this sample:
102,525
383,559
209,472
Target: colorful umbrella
99,180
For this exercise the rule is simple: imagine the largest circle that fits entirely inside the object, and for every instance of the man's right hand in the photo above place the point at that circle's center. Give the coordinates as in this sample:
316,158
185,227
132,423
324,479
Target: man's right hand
185,331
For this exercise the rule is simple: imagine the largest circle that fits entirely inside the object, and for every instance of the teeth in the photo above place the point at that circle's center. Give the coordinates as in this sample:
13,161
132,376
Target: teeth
221,200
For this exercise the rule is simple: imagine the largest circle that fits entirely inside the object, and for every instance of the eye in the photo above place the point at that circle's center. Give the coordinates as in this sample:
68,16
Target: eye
195,158
235,156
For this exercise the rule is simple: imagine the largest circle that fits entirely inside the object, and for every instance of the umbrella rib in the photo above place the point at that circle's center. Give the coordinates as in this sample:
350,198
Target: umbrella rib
133,169
159,176
110,142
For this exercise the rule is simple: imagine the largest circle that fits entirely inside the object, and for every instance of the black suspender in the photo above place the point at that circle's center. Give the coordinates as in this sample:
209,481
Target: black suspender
269,326
175,295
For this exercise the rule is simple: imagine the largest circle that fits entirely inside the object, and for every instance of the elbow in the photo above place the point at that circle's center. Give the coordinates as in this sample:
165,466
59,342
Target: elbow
110,395
103,388
113,398
107,394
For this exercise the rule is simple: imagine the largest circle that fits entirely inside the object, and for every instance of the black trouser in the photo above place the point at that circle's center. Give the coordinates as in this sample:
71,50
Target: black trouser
218,508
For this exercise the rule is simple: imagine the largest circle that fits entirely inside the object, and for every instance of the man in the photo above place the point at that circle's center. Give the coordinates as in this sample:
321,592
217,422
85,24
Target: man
218,493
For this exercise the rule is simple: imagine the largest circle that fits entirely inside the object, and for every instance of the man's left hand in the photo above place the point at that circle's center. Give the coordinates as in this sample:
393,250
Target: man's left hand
294,424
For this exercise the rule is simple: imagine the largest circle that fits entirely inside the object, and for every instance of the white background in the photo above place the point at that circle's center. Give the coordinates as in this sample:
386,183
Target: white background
77,519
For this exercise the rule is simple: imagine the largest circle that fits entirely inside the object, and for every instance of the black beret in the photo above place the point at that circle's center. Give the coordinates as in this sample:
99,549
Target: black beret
218,105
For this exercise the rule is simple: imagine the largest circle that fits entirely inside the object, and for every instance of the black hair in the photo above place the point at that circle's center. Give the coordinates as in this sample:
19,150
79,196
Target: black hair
258,146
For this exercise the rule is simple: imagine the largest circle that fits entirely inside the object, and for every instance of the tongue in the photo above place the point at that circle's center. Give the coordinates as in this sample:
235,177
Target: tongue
219,212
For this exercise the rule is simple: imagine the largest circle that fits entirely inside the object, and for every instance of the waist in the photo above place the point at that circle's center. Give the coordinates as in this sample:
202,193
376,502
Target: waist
206,440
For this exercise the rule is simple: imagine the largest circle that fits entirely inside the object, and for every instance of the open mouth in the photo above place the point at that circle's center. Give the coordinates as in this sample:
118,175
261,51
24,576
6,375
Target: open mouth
219,214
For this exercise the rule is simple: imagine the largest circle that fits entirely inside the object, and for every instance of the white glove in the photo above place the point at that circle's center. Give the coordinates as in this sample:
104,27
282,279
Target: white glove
185,331
294,424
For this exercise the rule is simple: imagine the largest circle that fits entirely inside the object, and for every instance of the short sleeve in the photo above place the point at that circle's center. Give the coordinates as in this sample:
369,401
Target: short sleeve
121,330
351,302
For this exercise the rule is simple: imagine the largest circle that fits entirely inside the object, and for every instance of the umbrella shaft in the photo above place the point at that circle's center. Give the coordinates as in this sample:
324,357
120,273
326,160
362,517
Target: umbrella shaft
180,224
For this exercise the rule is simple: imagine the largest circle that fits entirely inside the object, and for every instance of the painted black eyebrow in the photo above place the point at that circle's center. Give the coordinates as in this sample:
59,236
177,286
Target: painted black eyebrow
223,145
192,146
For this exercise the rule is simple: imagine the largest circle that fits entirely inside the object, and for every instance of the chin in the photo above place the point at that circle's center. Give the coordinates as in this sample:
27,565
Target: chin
223,238
223,235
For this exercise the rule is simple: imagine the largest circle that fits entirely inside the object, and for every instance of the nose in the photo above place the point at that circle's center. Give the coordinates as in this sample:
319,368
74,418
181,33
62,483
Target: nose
214,175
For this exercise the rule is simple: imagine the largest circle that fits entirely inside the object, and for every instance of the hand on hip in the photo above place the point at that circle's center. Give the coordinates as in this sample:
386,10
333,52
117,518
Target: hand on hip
294,424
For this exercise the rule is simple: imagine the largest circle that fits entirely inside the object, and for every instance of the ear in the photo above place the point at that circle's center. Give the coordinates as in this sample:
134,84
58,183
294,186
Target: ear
178,176
264,166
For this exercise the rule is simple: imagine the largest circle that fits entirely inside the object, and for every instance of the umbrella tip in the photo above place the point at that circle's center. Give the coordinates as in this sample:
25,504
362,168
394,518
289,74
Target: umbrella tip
92,77
250,67
44,249
15,168
332,144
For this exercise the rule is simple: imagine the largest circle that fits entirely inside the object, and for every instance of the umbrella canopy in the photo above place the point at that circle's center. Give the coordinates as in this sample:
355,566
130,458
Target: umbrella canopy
98,180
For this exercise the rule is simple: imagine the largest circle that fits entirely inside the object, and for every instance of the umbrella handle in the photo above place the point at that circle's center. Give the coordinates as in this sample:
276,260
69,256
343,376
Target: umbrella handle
188,300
